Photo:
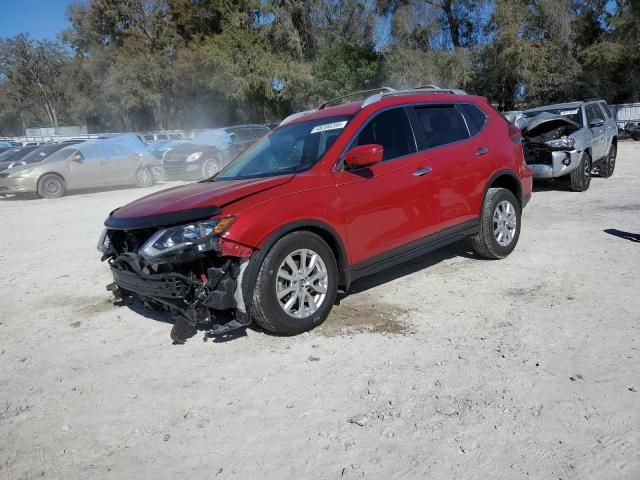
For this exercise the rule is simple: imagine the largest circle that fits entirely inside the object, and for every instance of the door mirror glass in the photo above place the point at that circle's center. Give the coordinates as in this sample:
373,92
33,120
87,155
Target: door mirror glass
363,156
77,157
596,122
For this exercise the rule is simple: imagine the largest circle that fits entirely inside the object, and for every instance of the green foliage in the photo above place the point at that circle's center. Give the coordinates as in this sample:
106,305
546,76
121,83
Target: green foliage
145,64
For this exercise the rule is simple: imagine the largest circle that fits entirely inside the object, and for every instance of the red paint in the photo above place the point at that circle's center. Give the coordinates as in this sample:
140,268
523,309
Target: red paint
373,211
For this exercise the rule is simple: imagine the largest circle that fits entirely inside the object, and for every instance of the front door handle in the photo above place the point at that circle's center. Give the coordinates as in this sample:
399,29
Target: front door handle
421,171
482,151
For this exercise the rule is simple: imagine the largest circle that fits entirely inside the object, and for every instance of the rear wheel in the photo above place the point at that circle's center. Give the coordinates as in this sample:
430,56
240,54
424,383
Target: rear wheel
608,166
51,186
499,224
580,178
143,178
296,286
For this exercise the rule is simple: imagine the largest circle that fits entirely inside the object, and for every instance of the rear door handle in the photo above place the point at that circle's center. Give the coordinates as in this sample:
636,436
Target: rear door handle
482,151
421,171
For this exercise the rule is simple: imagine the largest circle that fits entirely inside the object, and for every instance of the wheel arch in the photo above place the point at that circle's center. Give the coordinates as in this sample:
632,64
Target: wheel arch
504,179
59,175
323,230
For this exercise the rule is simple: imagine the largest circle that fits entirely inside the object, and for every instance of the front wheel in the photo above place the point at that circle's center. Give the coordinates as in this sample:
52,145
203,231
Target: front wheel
144,178
608,166
499,224
210,167
296,286
580,178
51,186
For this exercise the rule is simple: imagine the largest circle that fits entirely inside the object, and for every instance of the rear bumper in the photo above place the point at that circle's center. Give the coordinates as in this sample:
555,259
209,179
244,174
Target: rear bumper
562,163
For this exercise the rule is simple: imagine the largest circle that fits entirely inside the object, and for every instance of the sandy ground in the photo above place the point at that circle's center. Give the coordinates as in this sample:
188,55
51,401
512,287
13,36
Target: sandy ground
456,367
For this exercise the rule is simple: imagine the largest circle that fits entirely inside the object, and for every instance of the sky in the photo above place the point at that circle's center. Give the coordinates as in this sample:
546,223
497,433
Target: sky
41,19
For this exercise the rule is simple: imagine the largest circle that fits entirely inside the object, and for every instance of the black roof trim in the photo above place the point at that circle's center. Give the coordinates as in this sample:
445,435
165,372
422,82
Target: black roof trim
162,219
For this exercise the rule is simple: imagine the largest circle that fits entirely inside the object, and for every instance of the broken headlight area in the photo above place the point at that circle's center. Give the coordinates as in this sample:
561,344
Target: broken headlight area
185,270
562,143
194,238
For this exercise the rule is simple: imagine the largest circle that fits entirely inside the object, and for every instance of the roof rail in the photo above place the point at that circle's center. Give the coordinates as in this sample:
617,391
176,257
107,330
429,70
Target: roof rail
324,105
596,99
412,91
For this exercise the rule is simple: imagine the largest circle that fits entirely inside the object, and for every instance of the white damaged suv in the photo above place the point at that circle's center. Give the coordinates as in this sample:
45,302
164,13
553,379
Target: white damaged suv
572,140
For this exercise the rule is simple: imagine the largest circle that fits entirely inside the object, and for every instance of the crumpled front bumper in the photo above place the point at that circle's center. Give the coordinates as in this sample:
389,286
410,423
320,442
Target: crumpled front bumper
193,299
562,163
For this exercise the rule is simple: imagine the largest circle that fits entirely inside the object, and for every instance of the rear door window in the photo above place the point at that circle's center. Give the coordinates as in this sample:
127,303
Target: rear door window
474,116
440,125
392,130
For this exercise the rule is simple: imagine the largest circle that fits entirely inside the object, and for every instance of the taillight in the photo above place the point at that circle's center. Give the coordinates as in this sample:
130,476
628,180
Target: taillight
514,133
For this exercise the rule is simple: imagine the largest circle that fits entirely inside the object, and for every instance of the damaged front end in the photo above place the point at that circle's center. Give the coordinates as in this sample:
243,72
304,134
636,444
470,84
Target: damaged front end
189,270
549,144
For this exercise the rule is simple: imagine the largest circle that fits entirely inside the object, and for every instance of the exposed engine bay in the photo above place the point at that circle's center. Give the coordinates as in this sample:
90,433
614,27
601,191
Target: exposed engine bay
188,270
544,134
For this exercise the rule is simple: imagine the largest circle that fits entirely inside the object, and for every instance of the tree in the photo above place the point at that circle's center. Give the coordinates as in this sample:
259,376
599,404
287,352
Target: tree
35,70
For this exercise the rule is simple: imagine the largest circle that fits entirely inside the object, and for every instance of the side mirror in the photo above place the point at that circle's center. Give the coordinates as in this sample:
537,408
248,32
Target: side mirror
363,156
77,158
596,122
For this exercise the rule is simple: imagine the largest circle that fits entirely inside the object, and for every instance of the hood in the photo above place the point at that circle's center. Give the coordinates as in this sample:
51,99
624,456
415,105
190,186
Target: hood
544,121
196,196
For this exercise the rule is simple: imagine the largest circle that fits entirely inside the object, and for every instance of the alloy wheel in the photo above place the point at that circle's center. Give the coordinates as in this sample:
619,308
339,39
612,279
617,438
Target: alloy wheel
505,222
301,283
210,169
143,177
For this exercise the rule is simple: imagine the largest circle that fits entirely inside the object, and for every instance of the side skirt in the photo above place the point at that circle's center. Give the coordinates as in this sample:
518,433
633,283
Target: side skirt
414,249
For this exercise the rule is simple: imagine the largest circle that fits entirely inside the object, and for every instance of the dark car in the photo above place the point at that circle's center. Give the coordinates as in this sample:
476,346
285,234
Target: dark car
37,154
328,197
633,130
14,155
210,151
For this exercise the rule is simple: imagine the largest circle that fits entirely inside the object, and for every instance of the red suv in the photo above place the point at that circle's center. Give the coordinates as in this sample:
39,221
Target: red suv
330,196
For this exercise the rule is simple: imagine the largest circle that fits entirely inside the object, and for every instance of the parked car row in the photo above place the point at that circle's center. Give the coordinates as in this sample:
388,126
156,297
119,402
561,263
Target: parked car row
52,170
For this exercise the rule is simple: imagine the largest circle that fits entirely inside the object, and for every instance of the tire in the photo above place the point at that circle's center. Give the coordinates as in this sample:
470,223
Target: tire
636,136
269,311
51,185
500,209
143,178
605,170
580,178
210,167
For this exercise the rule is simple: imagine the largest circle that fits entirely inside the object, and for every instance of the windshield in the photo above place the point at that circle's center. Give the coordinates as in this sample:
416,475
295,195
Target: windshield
61,154
290,149
9,153
570,113
41,153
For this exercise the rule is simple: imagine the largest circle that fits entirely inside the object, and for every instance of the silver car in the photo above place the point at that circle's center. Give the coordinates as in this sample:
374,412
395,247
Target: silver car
572,140
101,163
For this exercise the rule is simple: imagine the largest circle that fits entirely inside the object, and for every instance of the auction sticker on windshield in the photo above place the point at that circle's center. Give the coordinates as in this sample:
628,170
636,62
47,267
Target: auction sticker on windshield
569,112
329,126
